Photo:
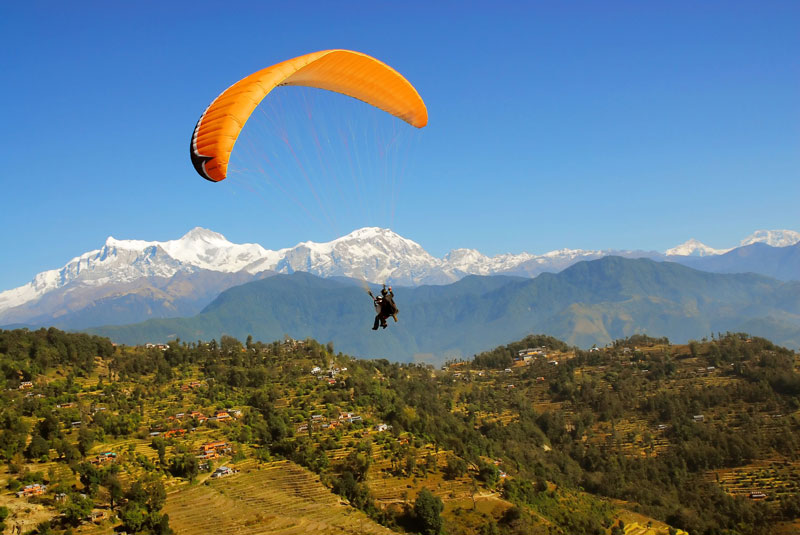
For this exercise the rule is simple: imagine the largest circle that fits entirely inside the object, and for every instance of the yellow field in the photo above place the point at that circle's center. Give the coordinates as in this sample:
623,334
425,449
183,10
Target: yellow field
272,498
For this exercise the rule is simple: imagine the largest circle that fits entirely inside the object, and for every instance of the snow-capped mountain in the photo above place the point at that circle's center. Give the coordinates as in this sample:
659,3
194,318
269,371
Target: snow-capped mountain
171,277
124,261
775,238
472,262
373,254
694,247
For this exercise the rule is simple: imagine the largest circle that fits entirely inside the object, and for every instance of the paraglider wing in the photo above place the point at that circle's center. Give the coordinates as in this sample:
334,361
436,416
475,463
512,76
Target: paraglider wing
343,71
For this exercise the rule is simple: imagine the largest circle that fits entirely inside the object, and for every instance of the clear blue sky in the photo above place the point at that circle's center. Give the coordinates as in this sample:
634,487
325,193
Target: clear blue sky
552,124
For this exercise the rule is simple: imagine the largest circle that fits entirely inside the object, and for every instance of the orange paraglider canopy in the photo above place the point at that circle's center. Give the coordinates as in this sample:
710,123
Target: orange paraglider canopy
343,71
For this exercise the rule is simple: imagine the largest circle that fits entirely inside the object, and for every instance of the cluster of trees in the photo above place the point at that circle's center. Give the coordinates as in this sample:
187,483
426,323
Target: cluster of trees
536,447
27,354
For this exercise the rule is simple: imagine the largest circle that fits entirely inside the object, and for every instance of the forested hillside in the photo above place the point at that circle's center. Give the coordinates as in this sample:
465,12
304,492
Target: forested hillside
588,303
532,437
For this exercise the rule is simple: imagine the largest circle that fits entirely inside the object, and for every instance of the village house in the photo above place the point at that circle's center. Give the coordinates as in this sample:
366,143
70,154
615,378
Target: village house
212,450
199,416
104,458
98,516
25,385
698,418
222,416
381,427
222,471
35,489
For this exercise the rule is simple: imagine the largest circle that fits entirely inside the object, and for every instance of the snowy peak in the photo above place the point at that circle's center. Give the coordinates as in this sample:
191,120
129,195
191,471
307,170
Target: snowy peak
210,250
123,261
371,253
461,258
775,238
694,247
200,234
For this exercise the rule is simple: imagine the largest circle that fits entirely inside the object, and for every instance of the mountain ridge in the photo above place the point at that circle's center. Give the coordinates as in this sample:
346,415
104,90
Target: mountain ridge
592,302
121,270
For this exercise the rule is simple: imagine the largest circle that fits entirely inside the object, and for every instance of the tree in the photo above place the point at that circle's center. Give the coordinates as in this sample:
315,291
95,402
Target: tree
358,464
76,509
411,462
49,428
90,477
185,466
38,448
456,467
160,445
427,512
146,497
114,486
356,493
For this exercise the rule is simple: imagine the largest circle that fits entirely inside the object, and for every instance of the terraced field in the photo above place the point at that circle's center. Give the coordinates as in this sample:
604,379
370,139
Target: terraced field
772,477
273,498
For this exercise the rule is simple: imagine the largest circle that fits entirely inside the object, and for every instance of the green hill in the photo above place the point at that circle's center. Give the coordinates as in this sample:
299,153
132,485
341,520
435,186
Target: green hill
641,437
589,303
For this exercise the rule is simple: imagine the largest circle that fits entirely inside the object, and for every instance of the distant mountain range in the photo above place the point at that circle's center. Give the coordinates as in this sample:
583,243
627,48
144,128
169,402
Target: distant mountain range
128,281
591,302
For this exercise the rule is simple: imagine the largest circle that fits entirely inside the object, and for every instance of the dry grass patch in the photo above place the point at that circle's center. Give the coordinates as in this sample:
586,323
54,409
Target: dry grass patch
279,497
